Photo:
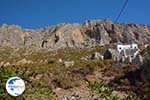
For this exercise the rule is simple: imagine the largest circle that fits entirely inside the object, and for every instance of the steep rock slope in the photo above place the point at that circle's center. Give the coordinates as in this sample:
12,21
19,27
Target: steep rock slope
74,35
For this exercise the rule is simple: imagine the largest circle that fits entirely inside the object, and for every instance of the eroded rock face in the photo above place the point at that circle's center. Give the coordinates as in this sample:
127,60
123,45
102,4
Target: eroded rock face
68,35
74,35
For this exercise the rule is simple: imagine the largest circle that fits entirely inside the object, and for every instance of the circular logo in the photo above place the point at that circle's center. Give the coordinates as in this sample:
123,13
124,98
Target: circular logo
15,86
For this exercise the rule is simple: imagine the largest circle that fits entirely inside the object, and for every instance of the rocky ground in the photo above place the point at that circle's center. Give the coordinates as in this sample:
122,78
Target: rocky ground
83,78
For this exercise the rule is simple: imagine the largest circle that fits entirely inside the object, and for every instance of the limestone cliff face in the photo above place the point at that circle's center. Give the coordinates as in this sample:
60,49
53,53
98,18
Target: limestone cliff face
67,35
74,35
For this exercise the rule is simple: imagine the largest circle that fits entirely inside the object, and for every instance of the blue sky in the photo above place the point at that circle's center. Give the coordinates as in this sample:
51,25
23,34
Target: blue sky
34,14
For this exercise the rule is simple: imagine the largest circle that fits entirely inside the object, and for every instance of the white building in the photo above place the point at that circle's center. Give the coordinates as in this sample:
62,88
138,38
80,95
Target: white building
125,47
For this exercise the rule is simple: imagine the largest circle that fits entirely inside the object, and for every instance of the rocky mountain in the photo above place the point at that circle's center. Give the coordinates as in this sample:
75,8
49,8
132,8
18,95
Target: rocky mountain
74,35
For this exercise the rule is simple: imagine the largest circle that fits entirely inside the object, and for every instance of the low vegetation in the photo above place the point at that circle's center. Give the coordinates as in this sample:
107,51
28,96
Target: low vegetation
47,73
35,90
99,87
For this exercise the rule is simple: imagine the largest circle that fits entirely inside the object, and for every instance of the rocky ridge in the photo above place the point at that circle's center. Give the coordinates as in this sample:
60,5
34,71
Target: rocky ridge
74,35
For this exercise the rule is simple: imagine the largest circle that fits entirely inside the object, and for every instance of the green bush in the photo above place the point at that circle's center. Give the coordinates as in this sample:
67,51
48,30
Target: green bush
104,92
132,96
99,87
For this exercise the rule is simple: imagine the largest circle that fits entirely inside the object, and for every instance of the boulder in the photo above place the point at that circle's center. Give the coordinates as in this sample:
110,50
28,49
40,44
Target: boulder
60,60
7,64
112,54
69,63
24,61
96,56
84,58
1,64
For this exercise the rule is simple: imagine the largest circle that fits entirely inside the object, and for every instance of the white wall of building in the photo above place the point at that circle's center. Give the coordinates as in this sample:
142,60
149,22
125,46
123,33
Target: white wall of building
124,47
